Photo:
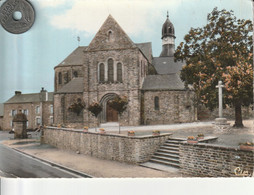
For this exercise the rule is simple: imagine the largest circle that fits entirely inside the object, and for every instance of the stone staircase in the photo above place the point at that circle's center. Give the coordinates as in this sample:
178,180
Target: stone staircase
166,156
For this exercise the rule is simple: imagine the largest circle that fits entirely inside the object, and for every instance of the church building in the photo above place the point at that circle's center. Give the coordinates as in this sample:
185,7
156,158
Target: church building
112,64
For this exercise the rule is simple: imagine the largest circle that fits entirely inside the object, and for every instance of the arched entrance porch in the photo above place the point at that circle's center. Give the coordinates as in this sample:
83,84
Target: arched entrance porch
108,114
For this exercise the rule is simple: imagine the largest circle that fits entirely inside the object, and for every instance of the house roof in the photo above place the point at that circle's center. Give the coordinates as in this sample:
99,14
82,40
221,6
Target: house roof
75,58
166,65
1,110
146,49
76,85
26,98
163,82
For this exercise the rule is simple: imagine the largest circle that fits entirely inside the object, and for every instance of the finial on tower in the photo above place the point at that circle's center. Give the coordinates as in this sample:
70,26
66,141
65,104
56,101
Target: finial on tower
167,14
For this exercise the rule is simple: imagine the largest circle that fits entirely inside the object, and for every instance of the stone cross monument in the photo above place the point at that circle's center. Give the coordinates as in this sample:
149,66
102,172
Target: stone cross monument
220,86
220,120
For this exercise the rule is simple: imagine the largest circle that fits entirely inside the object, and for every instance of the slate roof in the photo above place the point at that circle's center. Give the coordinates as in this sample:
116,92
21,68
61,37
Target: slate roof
146,49
1,110
166,65
74,86
163,82
27,98
75,58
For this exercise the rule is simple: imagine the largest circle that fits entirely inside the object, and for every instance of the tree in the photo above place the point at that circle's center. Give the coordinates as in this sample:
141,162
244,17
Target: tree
95,108
119,103
221,50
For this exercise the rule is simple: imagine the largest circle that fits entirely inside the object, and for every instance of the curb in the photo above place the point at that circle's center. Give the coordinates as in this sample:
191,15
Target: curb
55,165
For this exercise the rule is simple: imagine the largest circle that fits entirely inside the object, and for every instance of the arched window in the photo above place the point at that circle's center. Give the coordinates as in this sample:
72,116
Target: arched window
110,35
141,69
102,73
66,77
165,30
119,72
75,74
156,103
170,30
110,70
59,78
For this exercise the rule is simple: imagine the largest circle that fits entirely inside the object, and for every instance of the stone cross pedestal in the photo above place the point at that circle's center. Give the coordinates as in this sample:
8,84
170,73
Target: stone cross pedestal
220,120
19,123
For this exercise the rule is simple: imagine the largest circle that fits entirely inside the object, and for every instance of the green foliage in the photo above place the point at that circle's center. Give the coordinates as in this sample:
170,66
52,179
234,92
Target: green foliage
95,108
119,103
77,106
212,52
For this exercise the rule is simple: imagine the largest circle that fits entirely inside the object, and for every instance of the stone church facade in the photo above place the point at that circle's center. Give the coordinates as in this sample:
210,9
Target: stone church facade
112,64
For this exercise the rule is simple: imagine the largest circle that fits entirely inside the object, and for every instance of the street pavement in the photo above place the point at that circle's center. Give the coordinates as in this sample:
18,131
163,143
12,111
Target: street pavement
14,164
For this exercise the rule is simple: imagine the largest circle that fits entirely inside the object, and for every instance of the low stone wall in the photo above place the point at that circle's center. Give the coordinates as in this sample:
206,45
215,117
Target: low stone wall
229,113
204,160
106,146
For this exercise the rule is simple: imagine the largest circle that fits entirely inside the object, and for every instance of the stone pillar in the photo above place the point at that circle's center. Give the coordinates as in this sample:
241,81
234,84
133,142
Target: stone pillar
19,123
220,120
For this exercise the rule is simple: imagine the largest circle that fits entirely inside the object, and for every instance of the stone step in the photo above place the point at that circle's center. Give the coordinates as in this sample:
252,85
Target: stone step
168,151
171,144
165,162
162,167
169,148
109,124
170,159
167,154
177,139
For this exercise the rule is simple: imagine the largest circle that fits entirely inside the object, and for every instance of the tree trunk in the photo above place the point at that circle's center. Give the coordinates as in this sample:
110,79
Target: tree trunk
238,114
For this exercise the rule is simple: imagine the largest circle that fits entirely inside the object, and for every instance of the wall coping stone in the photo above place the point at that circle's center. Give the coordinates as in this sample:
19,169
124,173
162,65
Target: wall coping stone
110,134
223,147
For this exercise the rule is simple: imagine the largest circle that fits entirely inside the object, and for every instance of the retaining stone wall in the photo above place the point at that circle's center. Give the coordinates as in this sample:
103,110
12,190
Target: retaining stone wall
229,113
205,160
106,146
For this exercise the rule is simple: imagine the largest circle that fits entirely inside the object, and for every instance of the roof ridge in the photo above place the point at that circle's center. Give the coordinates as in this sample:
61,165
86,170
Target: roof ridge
144,42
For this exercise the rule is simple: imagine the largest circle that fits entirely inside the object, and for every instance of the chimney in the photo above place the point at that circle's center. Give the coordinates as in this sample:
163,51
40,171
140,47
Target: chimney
17,92
42,89
43,95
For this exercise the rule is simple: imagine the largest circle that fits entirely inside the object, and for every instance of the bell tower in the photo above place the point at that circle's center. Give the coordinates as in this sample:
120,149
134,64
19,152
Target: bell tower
168,39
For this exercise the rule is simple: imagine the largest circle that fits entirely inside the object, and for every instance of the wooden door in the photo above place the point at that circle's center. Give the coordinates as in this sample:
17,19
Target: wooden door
112,115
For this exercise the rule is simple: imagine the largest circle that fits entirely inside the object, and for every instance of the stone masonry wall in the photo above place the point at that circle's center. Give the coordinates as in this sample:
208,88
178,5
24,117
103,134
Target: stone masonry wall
106,146
174,107
94,90
62,115
205,160
229,113
67,74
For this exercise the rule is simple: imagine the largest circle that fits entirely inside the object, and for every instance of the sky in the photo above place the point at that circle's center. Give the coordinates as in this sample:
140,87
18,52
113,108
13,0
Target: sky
27,60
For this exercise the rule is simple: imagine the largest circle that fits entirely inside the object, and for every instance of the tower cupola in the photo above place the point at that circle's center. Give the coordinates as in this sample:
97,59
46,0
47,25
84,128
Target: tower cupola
168,29
168,39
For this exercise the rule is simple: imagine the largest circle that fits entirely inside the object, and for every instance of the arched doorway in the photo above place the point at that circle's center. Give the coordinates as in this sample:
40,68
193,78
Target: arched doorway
111,114
108,114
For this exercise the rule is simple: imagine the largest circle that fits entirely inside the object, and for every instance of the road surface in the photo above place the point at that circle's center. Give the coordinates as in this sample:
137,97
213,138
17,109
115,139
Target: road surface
14,164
